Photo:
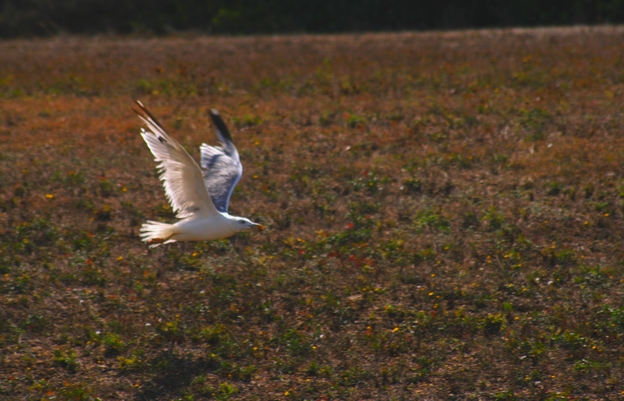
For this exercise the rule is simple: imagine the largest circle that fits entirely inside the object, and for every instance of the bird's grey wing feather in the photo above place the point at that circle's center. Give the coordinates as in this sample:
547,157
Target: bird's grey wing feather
221,165
221,174
224,135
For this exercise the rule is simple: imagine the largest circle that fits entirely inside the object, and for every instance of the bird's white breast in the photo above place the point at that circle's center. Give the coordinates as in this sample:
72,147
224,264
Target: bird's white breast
204,229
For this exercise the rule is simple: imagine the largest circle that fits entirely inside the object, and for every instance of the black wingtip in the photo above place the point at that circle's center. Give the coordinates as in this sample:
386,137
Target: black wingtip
218,122
138,113
141,107
146,112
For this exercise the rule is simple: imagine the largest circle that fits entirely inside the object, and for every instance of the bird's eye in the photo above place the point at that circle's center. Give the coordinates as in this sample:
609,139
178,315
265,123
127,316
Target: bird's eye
241,222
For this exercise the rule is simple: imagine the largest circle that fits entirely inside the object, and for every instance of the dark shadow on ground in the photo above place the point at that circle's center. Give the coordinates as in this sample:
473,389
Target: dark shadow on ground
172,373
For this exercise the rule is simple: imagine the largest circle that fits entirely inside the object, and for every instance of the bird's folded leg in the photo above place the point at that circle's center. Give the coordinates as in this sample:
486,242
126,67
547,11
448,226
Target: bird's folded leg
158,240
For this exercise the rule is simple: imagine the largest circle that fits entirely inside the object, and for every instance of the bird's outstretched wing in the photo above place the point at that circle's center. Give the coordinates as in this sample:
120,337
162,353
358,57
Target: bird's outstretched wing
221,165
180,174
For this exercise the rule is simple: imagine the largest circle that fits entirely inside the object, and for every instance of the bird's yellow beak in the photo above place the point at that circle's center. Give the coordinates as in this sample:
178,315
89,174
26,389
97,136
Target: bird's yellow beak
260,227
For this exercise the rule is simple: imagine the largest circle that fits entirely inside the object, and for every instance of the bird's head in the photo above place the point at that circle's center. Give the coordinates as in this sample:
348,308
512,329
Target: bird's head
241,223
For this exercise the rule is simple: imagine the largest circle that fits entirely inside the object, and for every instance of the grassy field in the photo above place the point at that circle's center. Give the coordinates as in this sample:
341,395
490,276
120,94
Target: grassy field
443,218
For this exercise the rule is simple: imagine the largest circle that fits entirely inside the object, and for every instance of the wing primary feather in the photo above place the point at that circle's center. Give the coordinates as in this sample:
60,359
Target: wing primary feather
218,122
181,176
147,112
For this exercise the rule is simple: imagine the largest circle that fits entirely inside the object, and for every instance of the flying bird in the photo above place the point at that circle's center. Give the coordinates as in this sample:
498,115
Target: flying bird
198,196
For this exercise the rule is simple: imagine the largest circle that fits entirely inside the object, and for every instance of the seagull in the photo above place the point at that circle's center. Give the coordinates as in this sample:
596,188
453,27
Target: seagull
199,196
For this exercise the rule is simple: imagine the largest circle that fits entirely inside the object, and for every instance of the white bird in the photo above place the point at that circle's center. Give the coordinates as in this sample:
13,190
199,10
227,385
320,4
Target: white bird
199,197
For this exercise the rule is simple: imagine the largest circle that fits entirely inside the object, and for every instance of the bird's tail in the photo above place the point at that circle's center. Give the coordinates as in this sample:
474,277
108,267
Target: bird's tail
155,233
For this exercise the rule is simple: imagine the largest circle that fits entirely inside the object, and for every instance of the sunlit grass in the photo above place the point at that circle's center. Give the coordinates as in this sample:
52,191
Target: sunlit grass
443,216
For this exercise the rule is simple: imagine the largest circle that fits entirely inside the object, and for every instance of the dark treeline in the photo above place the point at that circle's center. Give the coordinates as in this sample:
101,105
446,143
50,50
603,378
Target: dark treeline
26,18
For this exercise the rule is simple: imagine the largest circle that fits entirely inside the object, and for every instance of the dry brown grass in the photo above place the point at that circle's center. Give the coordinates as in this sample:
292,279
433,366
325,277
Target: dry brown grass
444,216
